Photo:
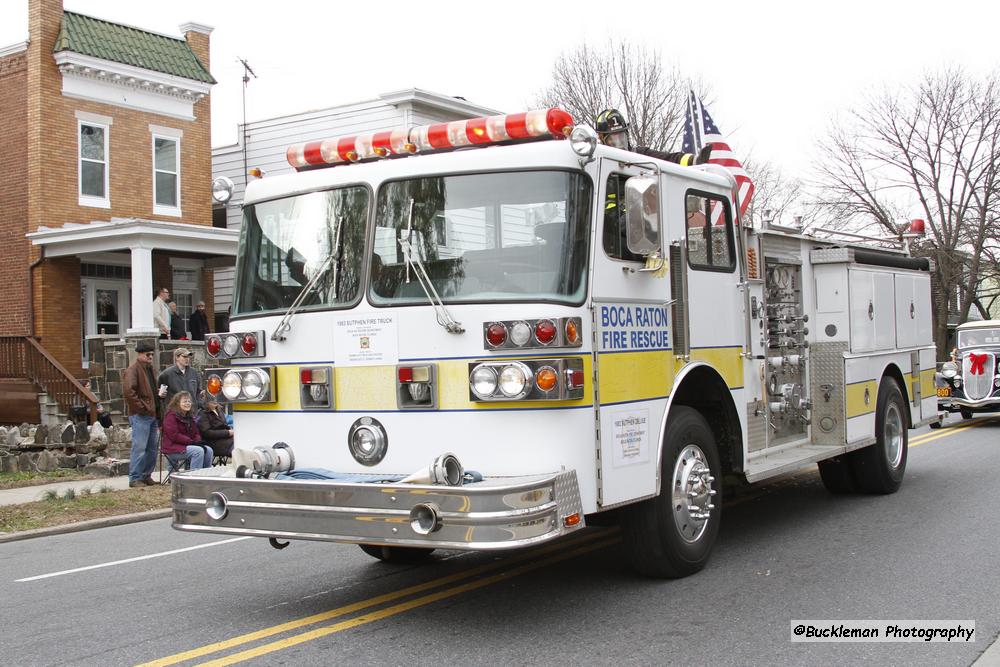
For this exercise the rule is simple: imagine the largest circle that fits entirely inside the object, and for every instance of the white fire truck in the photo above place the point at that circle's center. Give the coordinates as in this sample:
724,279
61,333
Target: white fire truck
585,328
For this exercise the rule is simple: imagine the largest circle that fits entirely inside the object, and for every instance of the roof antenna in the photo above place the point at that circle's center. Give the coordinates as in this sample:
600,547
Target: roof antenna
247,73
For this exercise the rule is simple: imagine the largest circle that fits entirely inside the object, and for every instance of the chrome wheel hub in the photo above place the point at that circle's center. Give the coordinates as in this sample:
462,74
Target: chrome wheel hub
892,435
692,493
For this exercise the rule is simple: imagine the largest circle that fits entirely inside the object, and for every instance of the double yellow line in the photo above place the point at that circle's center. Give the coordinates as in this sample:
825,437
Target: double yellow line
418,595
951,430
565,549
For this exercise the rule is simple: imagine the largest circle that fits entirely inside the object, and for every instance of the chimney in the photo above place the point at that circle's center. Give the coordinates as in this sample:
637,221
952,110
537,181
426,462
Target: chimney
44,80
197,37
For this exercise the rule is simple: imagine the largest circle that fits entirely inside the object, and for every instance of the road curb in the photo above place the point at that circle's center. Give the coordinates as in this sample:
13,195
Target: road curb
85,525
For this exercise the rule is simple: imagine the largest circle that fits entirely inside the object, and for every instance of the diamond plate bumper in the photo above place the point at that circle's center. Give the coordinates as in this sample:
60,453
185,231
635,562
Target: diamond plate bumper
497,513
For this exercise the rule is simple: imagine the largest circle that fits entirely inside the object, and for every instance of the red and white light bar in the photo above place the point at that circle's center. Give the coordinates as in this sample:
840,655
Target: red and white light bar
403,141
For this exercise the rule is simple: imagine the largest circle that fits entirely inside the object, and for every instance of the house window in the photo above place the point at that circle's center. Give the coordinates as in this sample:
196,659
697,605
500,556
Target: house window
94,165
166,176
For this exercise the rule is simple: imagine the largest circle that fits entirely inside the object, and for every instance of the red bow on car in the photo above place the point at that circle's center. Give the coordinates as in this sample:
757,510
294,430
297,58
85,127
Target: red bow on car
977,363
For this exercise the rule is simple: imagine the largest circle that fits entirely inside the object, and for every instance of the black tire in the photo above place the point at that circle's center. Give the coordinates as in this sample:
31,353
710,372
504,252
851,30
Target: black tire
654,543
966,413
879,468
837,476
397,555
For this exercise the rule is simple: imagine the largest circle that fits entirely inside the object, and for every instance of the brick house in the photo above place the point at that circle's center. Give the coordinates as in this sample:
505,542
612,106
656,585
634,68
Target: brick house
107,191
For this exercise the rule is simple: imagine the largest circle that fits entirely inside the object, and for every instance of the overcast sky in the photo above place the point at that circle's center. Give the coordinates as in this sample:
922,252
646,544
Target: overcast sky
779,71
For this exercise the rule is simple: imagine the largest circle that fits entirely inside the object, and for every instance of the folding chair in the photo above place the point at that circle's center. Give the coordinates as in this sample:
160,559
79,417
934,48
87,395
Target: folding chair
172,466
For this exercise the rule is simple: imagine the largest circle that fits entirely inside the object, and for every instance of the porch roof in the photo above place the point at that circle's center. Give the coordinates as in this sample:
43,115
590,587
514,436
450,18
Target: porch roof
129,233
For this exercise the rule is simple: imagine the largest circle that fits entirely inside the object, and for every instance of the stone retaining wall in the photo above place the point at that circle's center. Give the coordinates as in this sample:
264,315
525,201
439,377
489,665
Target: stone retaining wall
93,450
109,356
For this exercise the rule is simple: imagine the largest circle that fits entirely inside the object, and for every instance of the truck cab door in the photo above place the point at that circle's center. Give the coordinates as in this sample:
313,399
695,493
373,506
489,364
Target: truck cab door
633,364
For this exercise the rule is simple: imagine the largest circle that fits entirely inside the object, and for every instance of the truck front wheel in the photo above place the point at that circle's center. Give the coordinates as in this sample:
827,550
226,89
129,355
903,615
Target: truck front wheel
879,468
672,535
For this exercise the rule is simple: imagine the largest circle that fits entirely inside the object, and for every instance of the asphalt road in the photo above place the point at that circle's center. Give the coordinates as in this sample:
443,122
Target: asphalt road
787,550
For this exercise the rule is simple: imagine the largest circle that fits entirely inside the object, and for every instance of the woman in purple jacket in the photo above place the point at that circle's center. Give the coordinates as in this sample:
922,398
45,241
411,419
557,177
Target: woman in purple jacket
181,439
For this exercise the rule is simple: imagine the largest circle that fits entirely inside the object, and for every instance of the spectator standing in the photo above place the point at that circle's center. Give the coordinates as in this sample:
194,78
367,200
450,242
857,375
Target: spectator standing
181,439
199,322
176,323
161,312
144,410
213,426
180,376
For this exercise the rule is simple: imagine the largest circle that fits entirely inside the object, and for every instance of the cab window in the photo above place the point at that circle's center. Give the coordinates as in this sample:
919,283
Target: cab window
709,232
615,245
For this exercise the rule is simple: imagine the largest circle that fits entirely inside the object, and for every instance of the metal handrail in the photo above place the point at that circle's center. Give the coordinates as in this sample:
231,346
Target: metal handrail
23,357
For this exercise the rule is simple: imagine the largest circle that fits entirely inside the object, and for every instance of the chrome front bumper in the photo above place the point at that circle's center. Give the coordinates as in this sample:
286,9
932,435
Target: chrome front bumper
952,403
497,513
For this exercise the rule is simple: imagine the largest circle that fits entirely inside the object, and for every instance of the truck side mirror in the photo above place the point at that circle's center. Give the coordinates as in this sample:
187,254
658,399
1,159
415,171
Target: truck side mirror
642,215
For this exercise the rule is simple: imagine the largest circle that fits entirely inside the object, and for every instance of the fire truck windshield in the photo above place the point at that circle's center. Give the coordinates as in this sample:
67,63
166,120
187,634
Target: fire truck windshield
483,237
286,242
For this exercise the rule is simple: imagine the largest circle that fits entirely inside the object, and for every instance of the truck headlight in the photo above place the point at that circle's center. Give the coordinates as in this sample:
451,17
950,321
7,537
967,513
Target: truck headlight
253,384
232,384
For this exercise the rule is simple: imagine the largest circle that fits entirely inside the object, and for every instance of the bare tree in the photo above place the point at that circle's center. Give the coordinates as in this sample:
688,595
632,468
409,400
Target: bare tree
626,77
934,148
777,197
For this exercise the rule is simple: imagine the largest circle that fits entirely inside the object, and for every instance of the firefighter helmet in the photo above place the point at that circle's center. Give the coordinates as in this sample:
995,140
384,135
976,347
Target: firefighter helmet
612,128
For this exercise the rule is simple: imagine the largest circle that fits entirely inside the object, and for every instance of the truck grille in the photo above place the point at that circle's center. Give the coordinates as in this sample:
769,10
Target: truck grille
978,386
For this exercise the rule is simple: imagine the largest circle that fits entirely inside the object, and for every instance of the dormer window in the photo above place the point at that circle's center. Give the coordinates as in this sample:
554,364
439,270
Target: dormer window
93,172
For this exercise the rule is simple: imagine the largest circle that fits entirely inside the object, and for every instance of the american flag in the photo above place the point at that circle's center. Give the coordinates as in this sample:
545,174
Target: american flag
699,131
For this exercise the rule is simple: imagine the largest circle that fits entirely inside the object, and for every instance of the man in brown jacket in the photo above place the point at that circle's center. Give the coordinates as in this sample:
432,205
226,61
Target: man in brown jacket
144,411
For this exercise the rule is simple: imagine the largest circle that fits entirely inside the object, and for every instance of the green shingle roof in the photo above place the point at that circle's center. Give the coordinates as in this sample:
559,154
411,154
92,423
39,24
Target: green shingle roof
130,46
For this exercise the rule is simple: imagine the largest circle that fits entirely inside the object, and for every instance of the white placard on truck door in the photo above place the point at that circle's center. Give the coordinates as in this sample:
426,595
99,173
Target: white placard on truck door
630,433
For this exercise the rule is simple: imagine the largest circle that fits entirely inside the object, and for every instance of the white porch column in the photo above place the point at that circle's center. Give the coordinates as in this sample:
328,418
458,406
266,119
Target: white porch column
142,291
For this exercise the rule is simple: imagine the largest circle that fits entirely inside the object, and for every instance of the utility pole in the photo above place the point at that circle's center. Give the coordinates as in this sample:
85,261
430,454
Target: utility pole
247,73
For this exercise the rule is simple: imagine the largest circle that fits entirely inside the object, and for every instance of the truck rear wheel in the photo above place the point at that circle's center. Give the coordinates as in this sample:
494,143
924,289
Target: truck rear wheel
879,468
672,535
396,554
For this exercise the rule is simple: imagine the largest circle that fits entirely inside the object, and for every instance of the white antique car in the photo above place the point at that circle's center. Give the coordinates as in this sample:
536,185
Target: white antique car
971,383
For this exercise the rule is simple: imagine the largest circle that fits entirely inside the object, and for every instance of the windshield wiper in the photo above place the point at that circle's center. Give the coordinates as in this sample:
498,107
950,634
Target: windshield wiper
285,325
412,259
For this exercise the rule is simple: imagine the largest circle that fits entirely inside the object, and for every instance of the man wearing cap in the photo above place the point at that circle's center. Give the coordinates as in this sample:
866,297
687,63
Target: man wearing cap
198,322
180,376
144,410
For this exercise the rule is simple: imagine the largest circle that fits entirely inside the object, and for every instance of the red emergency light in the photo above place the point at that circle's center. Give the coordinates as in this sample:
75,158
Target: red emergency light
472,132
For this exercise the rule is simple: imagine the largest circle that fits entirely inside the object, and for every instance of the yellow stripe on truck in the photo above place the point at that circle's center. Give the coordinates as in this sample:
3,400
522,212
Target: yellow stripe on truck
638,376
727,360
856,404
635,376
624,376
927,386
370,388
